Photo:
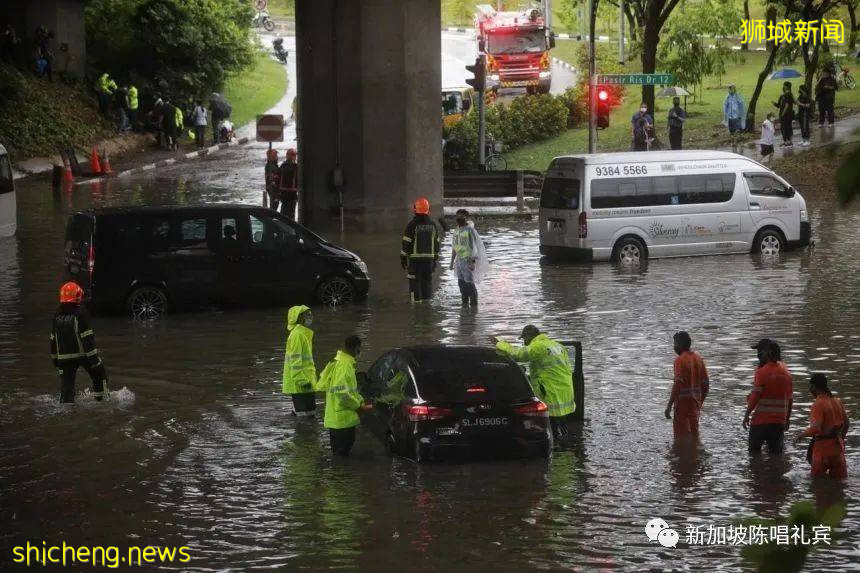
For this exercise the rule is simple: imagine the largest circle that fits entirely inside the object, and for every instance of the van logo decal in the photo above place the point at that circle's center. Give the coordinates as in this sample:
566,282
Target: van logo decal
667,167
659,230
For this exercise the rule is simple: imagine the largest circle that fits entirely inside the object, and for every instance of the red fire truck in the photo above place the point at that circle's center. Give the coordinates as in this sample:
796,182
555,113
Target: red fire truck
517,46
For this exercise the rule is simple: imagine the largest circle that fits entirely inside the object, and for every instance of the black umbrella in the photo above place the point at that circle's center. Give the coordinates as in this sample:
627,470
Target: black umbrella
219,105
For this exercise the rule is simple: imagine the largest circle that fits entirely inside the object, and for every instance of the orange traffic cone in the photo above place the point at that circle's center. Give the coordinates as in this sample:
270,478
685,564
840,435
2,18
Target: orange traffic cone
68,178
95,167
106,163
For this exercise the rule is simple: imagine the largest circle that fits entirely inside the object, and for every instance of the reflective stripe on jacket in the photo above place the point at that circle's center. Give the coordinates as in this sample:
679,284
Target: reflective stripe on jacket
72,338
550,371
342,399
463,242
106,84
771,394
300,374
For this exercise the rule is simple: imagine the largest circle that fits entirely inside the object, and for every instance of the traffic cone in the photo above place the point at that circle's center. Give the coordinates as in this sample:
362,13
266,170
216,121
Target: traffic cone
95,167
106,163
68,178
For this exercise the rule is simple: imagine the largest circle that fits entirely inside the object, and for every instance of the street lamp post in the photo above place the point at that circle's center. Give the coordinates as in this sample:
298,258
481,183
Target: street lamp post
592,101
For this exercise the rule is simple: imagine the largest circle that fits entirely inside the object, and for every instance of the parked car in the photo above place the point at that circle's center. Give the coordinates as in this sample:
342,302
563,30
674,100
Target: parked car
151,260
454,403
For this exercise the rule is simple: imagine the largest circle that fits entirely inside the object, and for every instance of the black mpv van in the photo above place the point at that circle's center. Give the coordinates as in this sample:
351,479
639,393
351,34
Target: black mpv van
148,260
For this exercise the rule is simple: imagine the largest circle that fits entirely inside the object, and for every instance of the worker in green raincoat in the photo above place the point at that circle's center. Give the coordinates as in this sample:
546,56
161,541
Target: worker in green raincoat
300,374
342,399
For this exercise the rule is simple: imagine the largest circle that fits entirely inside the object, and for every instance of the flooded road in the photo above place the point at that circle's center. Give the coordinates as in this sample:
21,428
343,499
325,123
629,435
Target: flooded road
197,448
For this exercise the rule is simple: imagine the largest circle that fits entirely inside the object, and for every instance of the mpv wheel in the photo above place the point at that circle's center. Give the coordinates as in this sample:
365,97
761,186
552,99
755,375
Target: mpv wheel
769,243
629,251
335,291
147,303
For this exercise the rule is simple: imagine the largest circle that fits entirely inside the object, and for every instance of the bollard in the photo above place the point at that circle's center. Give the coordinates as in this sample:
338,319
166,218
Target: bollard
520,191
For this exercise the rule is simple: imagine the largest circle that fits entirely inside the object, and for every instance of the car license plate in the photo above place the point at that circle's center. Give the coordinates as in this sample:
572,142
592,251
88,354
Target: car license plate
555,225
484,422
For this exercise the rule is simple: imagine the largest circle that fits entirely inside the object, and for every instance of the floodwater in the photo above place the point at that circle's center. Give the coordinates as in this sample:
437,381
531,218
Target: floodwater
196,447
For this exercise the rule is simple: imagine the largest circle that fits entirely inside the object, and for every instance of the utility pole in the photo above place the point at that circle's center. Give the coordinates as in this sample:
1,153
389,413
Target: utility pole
592,100
621,32
547,13
482,127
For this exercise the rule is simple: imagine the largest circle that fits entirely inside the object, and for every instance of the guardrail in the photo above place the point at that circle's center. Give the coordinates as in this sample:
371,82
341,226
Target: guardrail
490,184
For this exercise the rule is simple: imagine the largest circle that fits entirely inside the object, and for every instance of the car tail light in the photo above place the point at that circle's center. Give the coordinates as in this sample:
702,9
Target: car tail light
537,408
91,261
475,389
583,225
425,413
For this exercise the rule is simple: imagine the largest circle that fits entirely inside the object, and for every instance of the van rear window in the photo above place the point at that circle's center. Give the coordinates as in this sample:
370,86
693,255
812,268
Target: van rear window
654,191
474,382
560,193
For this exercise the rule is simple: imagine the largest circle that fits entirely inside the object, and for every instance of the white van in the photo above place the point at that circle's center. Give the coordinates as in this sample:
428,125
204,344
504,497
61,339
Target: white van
8,208
630,207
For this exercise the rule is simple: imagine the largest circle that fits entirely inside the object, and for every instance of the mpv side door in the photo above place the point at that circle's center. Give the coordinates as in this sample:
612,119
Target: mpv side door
193,265
280,266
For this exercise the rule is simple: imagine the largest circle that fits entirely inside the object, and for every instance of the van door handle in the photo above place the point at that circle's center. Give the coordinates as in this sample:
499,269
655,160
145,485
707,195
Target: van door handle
754,206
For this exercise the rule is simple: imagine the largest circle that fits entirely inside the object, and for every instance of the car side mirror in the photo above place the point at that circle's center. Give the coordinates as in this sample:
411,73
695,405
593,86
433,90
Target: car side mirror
789,193
552,40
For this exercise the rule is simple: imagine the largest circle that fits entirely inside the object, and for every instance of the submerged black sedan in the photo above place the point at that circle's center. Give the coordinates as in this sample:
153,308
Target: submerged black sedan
454,403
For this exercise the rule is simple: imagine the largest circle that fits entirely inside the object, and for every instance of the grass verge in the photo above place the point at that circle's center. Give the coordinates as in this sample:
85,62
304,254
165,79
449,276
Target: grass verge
704,124
256,90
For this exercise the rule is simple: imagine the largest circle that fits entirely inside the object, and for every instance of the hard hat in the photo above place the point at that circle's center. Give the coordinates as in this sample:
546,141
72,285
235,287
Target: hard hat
272,154
71,292
291,152
422,206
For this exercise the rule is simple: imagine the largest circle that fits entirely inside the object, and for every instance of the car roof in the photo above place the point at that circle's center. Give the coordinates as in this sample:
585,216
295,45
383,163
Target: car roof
453,355
645,156
161,209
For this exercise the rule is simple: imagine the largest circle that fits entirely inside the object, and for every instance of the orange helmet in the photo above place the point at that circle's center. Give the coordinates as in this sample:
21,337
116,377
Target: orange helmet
291,152
272,154
71,292
422,206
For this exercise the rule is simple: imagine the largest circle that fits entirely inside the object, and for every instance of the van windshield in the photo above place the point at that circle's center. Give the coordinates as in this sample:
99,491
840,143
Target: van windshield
560,193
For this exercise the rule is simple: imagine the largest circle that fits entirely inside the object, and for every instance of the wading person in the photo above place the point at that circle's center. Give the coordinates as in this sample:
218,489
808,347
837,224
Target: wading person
785,104
300,374
766,141
419,251
689,387
733,113
828,425
342,400
804,114
288,182
73,345
272,174
770,401
825,93
677,117
550,373
467,253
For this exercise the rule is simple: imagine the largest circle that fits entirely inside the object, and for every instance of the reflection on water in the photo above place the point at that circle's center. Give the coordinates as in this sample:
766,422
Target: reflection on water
199,449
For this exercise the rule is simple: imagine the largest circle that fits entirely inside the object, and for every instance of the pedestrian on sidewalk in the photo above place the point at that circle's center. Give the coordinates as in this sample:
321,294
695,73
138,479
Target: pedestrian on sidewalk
133,107
677,117
198,118
642,124
121,102
804,114
105,89
272,173
825,93
288,184
785,103
766,141
734,114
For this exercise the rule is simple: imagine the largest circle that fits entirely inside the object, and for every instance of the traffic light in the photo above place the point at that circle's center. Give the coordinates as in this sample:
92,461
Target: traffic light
602,107
479,70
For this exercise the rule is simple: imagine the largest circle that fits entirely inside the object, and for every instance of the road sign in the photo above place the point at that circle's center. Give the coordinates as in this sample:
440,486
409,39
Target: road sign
270,128
636,79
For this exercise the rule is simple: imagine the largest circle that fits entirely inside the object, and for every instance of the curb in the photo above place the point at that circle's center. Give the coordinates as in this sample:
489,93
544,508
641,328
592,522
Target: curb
166,162
459,30
563,64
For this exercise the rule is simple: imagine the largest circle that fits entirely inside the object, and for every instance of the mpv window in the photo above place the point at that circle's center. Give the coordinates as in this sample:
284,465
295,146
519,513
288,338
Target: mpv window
271,234
560,193
762,184
475,382
192,234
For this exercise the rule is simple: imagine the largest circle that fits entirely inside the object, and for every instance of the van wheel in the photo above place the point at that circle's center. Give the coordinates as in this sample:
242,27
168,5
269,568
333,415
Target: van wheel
629,251
335,291
769,243
147,303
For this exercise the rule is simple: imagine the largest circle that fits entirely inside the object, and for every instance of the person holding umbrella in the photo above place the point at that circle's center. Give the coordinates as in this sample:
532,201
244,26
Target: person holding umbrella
677,117
220,110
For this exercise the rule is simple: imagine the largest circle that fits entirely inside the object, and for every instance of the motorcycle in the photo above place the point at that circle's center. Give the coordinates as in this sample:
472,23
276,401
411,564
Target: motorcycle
262,20
280,52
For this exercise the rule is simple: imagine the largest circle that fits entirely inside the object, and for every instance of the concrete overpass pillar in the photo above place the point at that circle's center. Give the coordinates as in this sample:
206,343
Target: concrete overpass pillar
369,114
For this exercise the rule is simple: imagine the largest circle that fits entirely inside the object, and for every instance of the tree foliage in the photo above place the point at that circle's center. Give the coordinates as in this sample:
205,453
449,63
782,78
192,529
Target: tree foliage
184,47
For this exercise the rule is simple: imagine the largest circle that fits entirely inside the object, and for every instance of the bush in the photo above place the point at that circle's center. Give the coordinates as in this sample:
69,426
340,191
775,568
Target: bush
525,120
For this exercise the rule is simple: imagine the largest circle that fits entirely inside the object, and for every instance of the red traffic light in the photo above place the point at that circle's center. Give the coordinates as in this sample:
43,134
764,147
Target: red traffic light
603,95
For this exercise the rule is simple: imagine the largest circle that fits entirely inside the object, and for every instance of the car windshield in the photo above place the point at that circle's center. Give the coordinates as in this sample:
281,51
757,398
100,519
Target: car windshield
516,42
472,380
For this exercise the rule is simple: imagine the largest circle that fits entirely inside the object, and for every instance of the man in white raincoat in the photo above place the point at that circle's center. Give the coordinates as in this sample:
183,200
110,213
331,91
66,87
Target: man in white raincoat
470,258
